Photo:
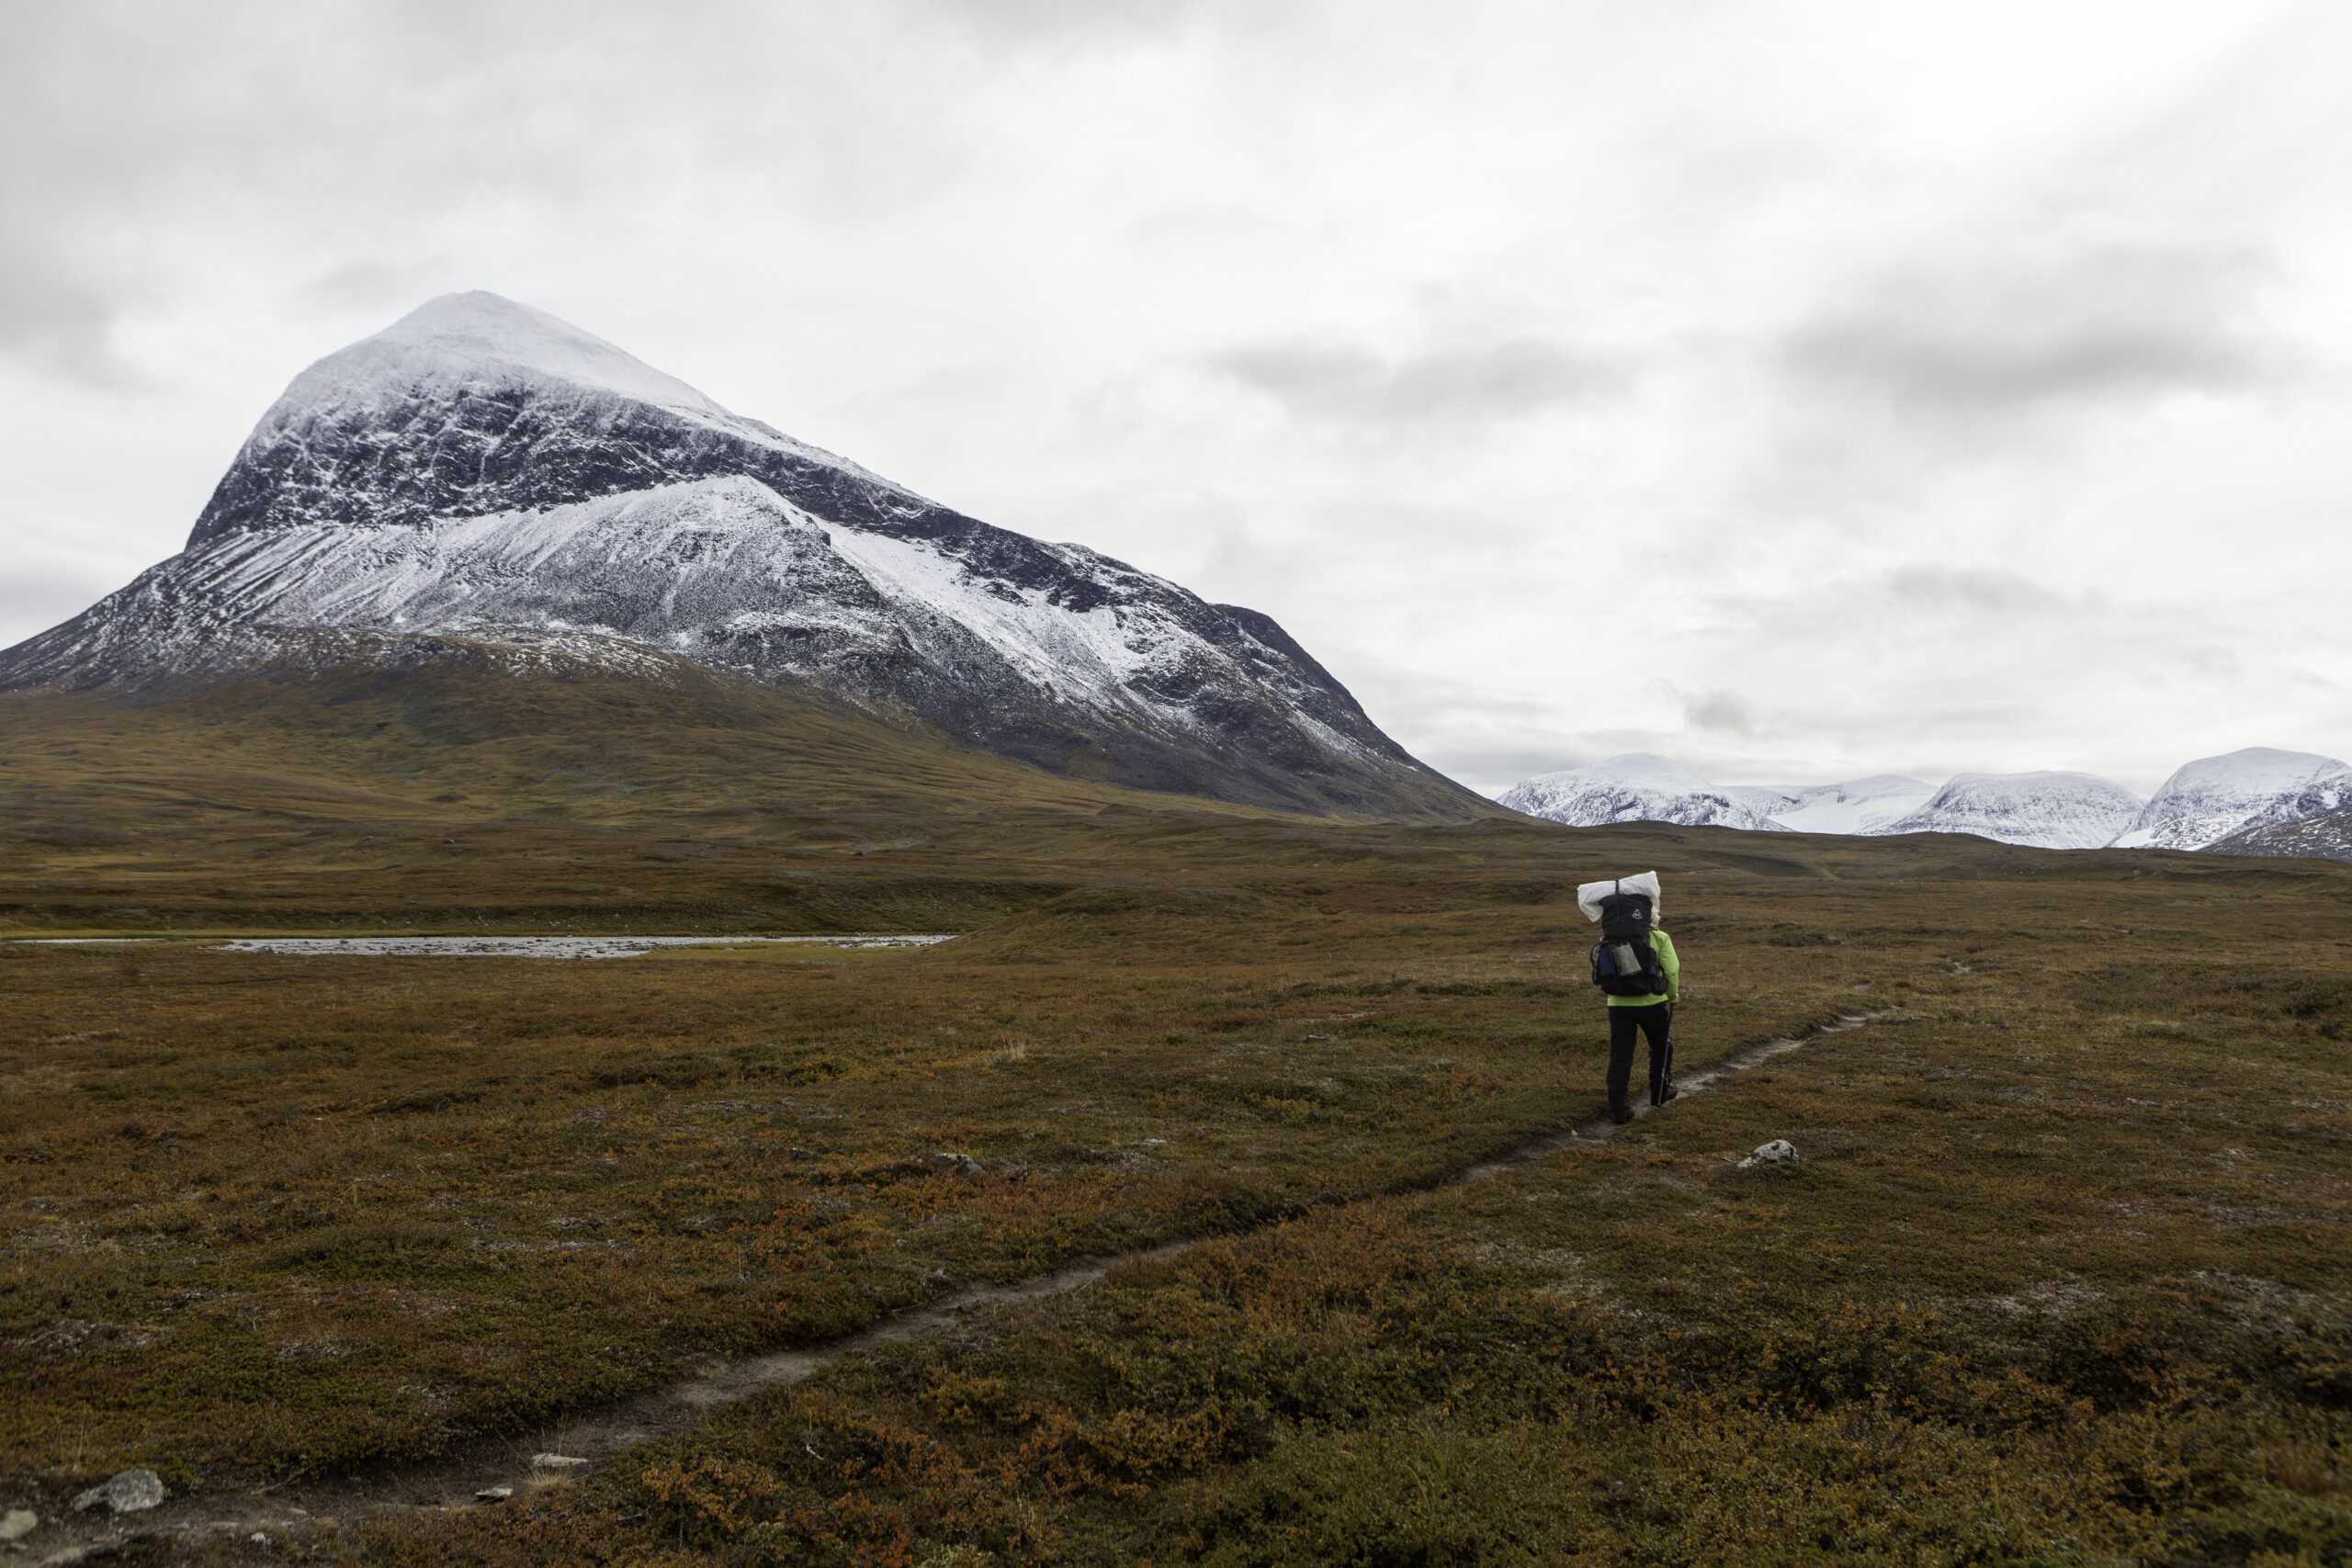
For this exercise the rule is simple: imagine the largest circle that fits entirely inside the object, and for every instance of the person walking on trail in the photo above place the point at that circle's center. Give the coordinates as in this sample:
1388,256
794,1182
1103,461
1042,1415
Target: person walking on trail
1636,965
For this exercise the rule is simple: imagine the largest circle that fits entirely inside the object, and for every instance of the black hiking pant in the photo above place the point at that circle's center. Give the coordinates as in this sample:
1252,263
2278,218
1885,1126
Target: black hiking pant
1651,1020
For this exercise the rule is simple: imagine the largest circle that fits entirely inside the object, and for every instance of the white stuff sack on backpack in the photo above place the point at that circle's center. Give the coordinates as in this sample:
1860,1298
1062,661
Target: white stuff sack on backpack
1590,894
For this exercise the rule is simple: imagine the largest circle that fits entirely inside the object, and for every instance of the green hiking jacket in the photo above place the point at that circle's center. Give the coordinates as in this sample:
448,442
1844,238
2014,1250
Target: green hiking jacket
1663,945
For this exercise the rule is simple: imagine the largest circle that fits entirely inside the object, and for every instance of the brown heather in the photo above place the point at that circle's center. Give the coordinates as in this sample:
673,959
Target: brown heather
2061,1279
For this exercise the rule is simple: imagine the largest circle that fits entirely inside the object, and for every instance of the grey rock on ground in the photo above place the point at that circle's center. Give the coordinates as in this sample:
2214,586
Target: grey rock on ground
1780,1151
130,1492
18,1524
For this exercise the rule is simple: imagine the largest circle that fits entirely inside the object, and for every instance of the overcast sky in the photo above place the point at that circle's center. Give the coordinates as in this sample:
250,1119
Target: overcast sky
1801,390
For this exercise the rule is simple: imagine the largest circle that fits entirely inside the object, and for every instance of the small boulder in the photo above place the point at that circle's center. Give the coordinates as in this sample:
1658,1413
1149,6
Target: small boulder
18,1524
130,1492
946,1164
1780,1151
493,1494
557,1462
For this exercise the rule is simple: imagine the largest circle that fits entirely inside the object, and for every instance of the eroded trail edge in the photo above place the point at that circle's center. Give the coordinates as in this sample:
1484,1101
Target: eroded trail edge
521,1464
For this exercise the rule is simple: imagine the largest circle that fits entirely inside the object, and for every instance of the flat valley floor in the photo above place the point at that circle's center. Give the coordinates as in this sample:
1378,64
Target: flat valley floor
334,1243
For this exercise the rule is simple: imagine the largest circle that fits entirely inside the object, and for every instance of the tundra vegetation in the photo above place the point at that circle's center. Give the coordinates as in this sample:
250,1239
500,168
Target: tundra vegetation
2061,1276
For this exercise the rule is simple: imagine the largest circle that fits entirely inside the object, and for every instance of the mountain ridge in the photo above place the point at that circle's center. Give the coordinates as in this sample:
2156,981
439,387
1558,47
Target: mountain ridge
475,373
1636,786
2258,800
1855,806
2048,810
2215,798
483,468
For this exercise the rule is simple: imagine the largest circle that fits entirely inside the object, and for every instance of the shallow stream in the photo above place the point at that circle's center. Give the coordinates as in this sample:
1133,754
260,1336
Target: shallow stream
502,946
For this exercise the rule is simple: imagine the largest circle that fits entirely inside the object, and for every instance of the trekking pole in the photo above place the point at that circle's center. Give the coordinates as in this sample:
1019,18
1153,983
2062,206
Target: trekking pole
1664,1090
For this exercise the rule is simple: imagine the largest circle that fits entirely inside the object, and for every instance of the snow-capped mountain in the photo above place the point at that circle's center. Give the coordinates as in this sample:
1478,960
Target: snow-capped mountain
1857,806
482,467
2052,810
1639,786
2214,798
2258,801
2049,810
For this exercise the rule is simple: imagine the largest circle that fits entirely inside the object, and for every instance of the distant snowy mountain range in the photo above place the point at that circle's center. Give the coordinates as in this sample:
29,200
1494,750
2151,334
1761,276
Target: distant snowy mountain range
1637,787
2257,801
482,470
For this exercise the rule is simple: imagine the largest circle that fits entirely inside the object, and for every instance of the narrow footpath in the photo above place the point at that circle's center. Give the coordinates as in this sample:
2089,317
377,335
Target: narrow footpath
492,1468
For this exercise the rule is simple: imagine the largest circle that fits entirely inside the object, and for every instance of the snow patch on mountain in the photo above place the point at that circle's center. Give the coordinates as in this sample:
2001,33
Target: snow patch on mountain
2047,810
723,571
481,347
1639,786
1082,654
2212,798
481,340
1857,807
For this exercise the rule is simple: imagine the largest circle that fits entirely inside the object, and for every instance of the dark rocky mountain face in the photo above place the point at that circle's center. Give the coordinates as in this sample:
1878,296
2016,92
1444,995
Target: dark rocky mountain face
476,451
2314,822
2325,836
484,468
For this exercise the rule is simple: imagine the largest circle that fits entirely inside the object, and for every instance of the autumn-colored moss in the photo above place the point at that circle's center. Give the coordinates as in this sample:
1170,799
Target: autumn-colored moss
2059,1279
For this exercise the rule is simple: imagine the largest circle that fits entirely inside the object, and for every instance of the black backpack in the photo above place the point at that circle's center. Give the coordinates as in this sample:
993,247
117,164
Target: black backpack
1624,962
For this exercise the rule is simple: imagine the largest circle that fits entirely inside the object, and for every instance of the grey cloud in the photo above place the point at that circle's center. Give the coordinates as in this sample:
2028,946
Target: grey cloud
29,593
139,142
1027,22
37,580
2111,325
57,312
2210,661
1908,608
1896,598
59,296
376,285
1932,667
1962,588
1494,770
1726,711
1496,380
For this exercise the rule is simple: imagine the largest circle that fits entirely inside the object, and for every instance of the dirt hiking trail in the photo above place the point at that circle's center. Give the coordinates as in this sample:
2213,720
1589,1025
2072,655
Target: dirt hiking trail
561,1451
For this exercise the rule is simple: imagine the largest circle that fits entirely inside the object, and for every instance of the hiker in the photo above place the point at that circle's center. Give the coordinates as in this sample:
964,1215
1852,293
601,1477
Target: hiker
1634,963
